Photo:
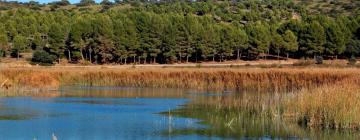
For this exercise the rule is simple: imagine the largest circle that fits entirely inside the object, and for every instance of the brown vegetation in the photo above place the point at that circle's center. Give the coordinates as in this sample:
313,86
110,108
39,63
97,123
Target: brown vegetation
335,106
331,105
285,79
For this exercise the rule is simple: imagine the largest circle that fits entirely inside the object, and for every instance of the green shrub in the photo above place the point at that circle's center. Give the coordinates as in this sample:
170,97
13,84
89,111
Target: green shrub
76,56
14,53
3,8
42,58
319,60
352,60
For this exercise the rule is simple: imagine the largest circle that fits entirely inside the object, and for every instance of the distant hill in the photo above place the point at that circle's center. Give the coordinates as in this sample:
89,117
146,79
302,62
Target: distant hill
329,7
180,31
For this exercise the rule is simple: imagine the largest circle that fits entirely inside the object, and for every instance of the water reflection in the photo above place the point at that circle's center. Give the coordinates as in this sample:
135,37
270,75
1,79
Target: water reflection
149,113
123,92
246,116
97,114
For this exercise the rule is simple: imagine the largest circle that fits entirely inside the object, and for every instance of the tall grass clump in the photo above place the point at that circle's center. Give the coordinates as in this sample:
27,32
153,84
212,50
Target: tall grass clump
330,106
335,106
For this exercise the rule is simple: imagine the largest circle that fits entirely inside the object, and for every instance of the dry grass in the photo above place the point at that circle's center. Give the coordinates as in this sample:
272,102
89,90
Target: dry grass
329,106
335,106
285,79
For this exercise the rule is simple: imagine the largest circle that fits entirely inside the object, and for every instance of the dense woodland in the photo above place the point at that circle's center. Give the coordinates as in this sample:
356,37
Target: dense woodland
179,31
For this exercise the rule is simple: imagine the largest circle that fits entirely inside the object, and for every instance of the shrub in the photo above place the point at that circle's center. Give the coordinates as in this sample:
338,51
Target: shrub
76,56
3,8
42,58
352,60
303,63
319,60
14,53
61,3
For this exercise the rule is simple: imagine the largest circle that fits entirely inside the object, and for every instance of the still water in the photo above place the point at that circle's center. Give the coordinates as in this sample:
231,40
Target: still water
113,113
93,118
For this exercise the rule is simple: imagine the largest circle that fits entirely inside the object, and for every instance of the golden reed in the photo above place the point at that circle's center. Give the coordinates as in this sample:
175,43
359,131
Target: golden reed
335,106
257,79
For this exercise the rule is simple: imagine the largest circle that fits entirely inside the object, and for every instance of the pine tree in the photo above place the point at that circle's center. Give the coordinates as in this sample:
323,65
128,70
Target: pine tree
291,44
56,39
20,43
312,39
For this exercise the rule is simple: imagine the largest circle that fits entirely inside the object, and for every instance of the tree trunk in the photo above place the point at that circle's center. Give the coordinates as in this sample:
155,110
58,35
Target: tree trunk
154,60
238,54
90,55
187,58
266,55
125,61
180,55
145,60
86,56
69,55
134,59
213,58
278,55
18,55
139,59
287,56
196,55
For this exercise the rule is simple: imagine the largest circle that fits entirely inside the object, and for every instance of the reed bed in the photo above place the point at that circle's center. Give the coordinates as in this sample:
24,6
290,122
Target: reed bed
285,79
329,106
334,106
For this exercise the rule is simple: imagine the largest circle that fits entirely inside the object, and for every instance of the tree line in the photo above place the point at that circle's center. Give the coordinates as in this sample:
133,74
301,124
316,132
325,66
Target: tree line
179,31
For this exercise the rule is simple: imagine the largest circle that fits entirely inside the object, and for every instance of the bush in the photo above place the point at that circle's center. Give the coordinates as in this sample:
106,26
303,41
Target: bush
76,56
352,60
3,8
319,60
14,53
61,3
303,63
42,58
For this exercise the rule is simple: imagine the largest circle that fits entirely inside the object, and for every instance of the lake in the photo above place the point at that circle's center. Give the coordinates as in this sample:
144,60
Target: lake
99,113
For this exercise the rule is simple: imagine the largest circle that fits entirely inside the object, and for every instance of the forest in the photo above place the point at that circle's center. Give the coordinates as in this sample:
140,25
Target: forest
179,31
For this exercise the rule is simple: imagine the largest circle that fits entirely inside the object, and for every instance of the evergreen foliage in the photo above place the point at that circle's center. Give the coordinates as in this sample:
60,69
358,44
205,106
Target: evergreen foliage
176,31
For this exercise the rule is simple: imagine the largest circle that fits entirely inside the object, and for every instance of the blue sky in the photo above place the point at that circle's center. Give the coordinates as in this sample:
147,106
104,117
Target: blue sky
47,1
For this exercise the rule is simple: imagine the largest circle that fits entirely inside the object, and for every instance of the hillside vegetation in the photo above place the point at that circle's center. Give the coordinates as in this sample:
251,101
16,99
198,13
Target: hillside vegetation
179,31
